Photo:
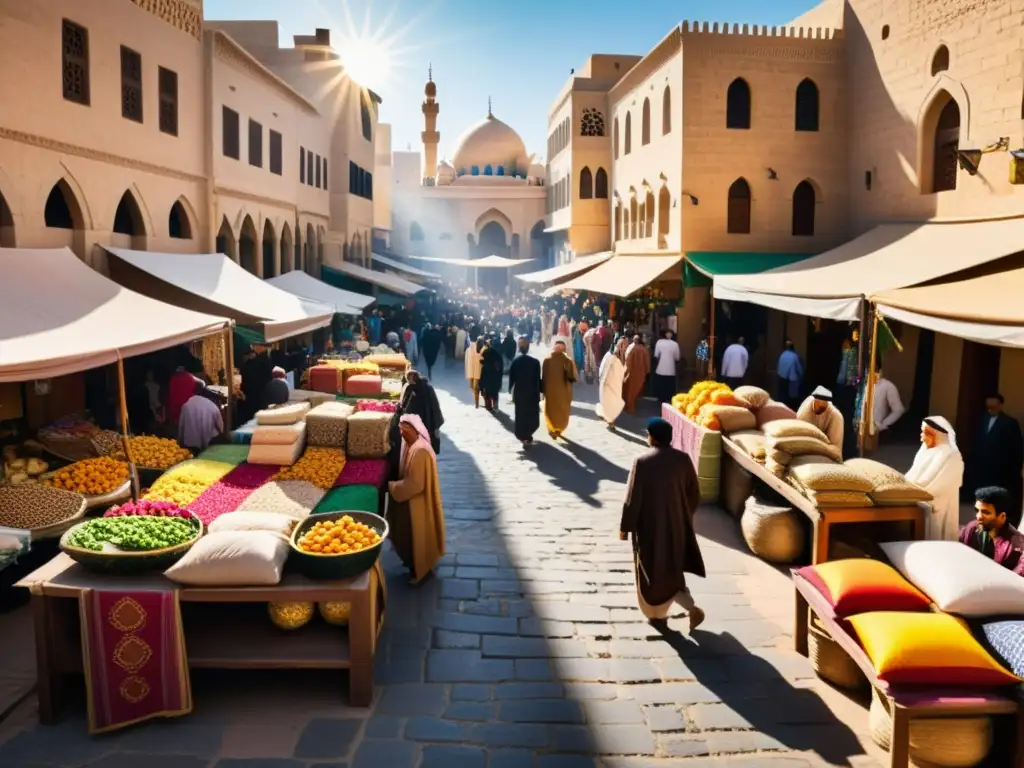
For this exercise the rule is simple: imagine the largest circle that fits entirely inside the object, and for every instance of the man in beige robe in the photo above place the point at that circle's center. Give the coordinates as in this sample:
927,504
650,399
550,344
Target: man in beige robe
818,410
638,366
558,374
416,518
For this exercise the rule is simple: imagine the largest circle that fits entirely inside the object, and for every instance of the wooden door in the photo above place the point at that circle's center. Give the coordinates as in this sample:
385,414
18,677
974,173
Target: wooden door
979,378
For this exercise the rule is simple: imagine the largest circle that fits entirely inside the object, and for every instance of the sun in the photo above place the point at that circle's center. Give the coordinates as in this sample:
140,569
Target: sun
367,59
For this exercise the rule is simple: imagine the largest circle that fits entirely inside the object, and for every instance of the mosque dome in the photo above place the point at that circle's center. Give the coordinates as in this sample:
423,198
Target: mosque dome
490,148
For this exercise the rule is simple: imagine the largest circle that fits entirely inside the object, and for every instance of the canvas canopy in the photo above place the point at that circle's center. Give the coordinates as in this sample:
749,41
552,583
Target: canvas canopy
298,283
890,256
487,262
211,282
402,267
563,271
987,309
393,283
623,275
59,316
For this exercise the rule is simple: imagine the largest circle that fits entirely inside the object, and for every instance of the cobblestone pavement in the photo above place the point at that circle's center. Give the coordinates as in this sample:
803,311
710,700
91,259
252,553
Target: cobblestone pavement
526,650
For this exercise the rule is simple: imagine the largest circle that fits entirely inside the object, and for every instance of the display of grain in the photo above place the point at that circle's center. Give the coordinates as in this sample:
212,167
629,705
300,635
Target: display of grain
368,435
327,425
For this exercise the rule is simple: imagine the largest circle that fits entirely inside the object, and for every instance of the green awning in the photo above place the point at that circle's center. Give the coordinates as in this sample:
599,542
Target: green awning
249,335
701,266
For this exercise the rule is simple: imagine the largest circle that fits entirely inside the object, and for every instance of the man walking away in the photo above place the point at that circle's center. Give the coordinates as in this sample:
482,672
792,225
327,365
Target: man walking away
558,374
789,372
638,366
661,498
666,356
432,339
524,385
734,363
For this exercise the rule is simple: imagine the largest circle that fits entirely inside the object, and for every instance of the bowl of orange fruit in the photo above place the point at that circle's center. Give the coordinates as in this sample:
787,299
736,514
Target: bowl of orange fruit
337,545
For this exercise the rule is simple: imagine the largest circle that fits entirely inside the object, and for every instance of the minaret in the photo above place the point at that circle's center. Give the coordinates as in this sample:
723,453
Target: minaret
430,135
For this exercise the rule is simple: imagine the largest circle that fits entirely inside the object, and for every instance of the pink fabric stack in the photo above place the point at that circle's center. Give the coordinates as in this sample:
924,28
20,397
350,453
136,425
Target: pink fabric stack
363,472
381,406
229,492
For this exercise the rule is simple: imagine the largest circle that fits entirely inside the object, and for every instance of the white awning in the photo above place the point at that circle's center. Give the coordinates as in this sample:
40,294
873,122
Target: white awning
562,271
402,267
487,262
983,333
392,283
308,287
59,316
212,282
834,284
623,275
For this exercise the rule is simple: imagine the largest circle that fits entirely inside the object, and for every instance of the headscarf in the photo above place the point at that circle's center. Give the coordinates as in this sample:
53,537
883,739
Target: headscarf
424,439
621,347
929,462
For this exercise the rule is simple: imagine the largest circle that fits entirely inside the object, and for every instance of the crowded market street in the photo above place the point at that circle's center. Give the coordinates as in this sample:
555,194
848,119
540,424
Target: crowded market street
525,649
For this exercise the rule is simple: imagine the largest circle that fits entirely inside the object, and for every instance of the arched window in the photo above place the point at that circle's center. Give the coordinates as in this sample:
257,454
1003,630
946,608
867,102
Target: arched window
737,105
664,205
61,210
940,61
488,171
645,124
475,170
632,218
178,225
601,184
946,144
803,209
500,171
666,111
364,114
629,134
128,217
618,222
615,137
415,232
586,184
642,221
807,106
739,208
649,212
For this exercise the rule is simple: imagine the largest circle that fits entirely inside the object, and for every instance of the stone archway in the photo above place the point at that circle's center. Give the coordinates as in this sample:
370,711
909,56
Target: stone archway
226,242
286,248
247,246
492,216
309,247
7,239
268,250
492,238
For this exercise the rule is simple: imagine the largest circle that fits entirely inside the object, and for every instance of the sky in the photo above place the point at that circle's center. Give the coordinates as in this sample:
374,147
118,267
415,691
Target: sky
518,53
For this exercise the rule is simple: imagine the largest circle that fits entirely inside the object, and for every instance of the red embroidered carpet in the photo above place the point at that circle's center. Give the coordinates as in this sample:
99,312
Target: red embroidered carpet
133,650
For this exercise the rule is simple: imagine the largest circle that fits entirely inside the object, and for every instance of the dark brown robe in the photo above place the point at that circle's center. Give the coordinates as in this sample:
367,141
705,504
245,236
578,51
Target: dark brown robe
661,499
638,365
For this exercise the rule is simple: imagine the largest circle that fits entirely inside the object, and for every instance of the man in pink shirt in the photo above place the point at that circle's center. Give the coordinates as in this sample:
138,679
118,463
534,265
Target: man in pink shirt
200,420
179,389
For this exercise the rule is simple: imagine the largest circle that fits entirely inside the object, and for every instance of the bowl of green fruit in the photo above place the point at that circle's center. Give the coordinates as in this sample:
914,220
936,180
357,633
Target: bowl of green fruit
131,543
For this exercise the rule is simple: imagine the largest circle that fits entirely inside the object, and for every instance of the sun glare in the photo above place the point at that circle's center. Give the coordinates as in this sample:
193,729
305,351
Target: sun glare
367,60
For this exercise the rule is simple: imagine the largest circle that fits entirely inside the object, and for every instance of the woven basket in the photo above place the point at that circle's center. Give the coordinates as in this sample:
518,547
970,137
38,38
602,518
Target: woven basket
828,659
773,533
943,742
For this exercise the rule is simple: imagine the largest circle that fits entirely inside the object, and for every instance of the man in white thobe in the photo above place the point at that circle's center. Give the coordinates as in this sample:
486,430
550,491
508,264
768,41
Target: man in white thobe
734,363
200,421
888,407
939,469
819,411
611,376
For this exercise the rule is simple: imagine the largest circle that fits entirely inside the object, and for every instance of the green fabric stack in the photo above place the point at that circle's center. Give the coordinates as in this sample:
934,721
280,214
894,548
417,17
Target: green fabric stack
229,454
350,498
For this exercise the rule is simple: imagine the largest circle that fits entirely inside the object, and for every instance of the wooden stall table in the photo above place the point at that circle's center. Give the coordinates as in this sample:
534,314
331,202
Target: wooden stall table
703,446
225,627
905,702
823,520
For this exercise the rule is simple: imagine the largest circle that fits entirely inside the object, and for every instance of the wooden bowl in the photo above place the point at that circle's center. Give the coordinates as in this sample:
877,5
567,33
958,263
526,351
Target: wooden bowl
124,562
316,565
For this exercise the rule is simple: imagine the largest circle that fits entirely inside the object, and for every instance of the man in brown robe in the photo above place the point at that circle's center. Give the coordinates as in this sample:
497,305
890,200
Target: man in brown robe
638,366
558,374
661,499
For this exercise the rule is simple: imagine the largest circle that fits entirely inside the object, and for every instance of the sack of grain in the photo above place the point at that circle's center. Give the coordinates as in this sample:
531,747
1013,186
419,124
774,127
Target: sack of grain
888,485
793,428
776,456
751,441
368,435
327,425
830,477
731,418
800,461
803,446
771,411
848,499
756,396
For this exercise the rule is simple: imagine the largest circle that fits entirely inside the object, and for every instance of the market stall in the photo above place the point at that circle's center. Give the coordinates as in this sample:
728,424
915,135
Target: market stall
399,266
562,272
393,284
300,284
211,282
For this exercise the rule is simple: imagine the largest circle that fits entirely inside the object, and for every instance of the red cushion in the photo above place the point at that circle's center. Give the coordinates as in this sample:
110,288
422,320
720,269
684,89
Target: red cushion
860,585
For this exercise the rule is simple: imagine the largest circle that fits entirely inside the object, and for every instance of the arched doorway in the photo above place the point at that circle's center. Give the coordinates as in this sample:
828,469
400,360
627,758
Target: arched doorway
945,142
286,249
664,208
128,220
6,224
298,248
310,249
321,235
247,246
492,240
178,225
62,210
269,243
226,242
537,245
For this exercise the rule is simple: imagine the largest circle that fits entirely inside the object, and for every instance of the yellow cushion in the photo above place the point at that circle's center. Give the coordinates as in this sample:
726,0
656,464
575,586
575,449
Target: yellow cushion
926,649
862,585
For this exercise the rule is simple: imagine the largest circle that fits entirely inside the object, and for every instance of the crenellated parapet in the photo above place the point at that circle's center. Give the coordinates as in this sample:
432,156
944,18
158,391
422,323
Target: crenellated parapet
697,28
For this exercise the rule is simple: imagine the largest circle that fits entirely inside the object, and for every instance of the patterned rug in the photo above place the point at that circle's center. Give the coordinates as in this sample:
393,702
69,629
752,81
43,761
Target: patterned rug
133,651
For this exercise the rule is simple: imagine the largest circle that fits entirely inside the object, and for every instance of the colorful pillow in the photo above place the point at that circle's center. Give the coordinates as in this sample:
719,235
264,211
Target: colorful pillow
1004,638
957,578
861,585
926,648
